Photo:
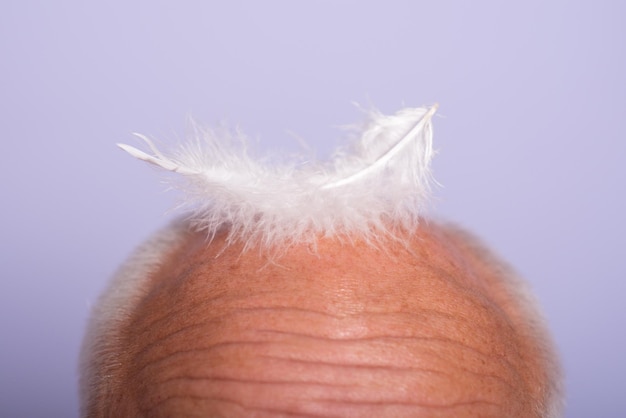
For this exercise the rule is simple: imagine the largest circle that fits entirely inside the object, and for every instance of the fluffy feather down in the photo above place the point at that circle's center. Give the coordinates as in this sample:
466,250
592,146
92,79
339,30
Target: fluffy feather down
378,186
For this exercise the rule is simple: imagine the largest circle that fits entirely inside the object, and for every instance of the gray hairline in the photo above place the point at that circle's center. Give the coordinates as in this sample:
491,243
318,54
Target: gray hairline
520,291
115,306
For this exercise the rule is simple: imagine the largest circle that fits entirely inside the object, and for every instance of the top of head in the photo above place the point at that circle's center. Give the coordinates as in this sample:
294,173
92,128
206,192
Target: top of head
430,326
425,322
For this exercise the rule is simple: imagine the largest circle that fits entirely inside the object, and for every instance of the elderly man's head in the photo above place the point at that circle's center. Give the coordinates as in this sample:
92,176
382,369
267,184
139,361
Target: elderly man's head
436,327
418,321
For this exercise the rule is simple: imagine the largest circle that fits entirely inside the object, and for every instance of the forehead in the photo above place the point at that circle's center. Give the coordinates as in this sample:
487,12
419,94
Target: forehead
425,288
210,313
190,305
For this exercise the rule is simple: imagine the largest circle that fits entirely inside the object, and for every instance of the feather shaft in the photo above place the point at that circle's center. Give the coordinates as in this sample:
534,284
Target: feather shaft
409,136
159,160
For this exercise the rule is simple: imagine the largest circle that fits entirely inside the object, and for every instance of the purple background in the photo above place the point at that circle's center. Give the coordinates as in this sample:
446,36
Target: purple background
530,135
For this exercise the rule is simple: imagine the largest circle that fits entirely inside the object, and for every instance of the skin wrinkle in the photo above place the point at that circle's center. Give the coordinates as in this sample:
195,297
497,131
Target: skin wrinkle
334,366
244,407
423,316
360,405
408,369
166,367
318,392
392,367
172,358
343,401
218,378
422,325
383,340
224,318
156,363
239,404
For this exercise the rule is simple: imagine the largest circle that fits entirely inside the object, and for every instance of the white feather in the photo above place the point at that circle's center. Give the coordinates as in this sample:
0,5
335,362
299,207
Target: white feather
382,184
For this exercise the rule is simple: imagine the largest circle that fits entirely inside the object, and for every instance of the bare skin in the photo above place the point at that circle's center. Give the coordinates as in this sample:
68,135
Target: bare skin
428,329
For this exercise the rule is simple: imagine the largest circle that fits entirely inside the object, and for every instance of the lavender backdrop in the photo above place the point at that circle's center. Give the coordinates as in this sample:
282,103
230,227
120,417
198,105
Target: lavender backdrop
531,139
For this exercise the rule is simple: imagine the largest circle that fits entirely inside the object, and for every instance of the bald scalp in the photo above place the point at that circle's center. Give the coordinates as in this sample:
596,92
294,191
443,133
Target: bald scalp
431,326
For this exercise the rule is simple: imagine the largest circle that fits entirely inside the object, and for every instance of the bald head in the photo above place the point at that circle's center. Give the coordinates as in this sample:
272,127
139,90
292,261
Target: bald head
430,326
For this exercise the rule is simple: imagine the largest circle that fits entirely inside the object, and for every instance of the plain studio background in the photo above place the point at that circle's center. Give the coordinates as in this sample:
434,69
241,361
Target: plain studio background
530,135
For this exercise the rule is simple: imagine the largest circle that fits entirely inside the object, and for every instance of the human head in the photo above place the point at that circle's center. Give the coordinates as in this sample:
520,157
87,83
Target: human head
410,319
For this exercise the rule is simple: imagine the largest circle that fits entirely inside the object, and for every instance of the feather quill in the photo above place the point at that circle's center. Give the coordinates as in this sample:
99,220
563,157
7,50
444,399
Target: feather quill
382,183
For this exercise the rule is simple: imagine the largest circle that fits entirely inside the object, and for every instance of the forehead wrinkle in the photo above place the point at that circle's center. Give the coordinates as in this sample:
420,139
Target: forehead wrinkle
214,371
329,286
298,317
